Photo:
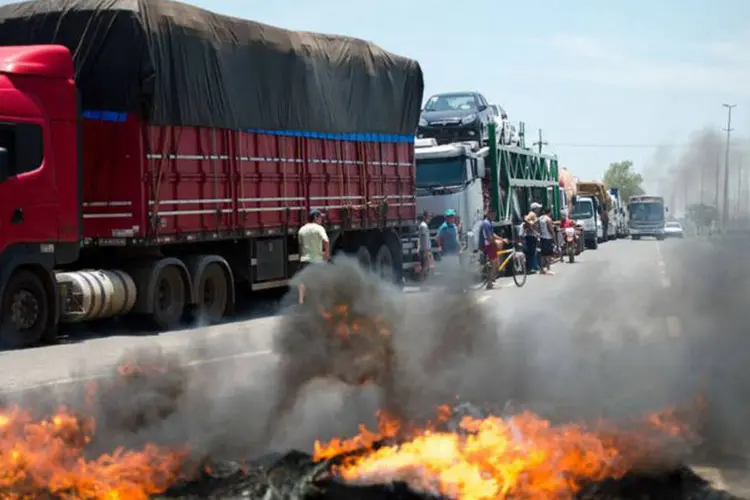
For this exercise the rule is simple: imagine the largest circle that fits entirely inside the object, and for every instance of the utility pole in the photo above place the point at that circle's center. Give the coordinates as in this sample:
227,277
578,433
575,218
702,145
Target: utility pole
686,185
739,186
540,144
718,178
703,182
725,211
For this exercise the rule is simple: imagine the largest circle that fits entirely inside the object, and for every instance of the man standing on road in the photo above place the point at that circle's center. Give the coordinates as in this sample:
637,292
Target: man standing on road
424,245
531,237
447,236
314,246
547,241
491,244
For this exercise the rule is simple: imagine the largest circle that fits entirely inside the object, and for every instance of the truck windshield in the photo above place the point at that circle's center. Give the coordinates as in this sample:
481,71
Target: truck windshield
647,212
583,210
441,172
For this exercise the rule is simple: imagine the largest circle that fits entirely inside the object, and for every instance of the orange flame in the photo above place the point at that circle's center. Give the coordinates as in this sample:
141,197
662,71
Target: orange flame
47,457
521,457
344,324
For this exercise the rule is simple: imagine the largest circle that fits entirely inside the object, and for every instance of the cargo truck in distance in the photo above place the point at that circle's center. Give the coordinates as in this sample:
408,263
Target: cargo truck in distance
154,184
592,199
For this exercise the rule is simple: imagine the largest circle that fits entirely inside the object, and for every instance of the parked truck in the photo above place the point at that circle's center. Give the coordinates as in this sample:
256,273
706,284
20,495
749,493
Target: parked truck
620,215
469,179
156,159
591,201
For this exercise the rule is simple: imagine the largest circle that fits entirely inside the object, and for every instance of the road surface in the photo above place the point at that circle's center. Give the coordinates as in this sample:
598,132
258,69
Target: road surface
608,334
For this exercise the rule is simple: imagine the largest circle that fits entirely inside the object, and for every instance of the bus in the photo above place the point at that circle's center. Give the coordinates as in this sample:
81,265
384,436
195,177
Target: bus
646,216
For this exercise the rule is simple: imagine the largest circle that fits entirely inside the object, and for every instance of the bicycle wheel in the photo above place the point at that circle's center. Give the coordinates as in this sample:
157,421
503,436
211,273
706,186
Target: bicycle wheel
518,269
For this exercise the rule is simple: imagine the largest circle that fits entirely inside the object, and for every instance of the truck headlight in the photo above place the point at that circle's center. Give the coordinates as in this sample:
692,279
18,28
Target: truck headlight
422,122
468,119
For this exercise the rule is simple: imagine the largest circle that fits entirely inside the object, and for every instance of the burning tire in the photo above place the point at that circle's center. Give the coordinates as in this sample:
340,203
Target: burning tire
25,311
341,332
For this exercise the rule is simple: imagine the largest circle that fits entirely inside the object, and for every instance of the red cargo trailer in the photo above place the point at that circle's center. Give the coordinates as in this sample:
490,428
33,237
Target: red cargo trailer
156,175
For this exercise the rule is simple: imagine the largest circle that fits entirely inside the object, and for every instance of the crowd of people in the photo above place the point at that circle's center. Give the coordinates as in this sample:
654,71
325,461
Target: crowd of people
538,236
538,233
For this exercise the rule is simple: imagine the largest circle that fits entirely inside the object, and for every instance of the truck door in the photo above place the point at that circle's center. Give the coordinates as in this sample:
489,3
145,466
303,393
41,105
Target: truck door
28,191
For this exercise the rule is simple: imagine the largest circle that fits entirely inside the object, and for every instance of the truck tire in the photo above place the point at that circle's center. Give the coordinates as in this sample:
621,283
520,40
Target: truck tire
168,298
364,258
635,237
213,294
26,310
383,263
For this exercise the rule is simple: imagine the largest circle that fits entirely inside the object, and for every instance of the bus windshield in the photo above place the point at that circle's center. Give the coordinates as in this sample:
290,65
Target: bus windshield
647,212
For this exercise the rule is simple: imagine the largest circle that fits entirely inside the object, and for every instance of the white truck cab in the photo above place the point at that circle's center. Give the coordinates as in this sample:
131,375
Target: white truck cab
585,212
450,177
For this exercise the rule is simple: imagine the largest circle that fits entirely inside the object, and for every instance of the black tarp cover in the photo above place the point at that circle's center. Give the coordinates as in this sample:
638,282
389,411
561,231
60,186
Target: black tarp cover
178,64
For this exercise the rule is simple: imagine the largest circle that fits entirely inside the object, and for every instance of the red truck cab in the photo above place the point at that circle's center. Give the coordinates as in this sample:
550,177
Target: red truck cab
40,217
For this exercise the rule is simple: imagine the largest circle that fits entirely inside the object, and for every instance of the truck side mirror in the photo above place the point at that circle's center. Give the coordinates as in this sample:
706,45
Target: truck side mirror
4,165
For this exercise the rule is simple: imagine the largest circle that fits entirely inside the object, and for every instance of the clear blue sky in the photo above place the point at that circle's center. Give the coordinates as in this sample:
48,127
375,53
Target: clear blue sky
596,74
630,72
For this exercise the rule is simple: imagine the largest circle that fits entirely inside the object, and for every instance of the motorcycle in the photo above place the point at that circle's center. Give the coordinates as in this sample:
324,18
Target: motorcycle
570,243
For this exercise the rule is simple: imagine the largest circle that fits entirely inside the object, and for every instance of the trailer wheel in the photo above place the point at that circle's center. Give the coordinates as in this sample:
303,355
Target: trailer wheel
26,311
363,256
383,265
168,298
213,294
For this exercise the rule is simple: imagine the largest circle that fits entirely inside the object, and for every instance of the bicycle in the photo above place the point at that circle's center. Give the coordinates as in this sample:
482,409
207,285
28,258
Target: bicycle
515,257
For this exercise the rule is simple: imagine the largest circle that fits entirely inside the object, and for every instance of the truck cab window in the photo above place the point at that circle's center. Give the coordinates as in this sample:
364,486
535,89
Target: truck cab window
24,144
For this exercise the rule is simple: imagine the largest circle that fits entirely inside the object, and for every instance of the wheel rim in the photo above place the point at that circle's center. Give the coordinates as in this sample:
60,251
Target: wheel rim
209,292
384,266
363,257
164,294
25,310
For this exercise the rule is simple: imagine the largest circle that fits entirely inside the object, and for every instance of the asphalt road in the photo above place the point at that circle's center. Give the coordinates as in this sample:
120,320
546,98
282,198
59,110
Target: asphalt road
251,341
609,334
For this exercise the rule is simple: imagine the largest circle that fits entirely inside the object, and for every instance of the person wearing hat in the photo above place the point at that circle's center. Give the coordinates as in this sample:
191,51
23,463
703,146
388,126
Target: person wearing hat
314,245
531,236
447,236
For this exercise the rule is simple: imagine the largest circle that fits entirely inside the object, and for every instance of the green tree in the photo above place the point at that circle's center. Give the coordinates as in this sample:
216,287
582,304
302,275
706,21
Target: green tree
620,175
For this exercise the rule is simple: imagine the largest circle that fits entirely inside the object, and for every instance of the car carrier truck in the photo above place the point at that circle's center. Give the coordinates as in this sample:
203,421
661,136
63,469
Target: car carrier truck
467,178
156,159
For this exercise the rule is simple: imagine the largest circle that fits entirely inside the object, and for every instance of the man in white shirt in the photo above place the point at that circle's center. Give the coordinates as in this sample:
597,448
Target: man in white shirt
424,245
314,245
